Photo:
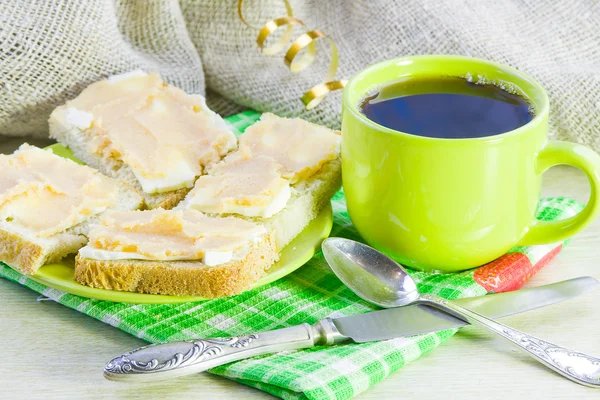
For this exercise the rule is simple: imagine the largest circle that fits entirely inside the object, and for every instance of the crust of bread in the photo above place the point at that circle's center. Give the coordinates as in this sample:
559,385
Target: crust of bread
309,198
77,141
179,278
21,254
165,200
28,255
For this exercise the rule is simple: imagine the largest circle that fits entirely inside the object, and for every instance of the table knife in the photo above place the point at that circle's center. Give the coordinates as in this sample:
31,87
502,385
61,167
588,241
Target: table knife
175,359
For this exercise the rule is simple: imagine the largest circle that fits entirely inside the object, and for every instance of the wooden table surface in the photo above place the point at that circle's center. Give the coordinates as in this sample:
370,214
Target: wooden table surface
51,351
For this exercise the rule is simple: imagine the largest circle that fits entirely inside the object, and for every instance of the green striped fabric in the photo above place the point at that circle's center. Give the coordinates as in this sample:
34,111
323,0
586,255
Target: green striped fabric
307,295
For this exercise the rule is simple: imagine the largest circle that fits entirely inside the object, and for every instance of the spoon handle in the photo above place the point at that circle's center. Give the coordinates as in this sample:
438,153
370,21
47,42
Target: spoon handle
578,367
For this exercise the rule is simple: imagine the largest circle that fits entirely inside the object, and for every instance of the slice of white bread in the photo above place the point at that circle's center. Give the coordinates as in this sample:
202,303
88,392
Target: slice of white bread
27,253
63,129
77,141
308,198
179,278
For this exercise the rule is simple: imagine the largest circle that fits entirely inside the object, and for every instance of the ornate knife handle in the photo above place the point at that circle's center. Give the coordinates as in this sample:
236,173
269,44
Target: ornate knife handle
175,359
578,367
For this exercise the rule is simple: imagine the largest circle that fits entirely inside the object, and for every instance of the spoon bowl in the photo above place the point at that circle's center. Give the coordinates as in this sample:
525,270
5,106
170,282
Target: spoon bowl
370,274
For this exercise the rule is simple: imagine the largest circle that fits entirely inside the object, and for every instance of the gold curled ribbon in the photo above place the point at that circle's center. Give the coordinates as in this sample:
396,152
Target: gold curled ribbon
307,42
271,27
317,93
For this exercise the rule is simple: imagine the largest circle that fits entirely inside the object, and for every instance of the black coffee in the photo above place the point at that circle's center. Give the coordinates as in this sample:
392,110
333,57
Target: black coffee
447,108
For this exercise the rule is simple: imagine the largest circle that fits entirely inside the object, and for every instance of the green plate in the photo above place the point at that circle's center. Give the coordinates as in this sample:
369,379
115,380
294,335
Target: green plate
293,256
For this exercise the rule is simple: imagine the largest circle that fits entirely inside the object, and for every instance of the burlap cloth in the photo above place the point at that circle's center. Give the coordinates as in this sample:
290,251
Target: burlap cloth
50,50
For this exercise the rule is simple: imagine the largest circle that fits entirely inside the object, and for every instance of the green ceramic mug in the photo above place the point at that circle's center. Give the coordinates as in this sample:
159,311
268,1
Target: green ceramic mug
453,204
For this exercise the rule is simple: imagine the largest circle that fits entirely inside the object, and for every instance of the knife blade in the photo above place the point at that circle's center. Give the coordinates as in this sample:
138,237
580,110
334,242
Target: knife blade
414,320
169,360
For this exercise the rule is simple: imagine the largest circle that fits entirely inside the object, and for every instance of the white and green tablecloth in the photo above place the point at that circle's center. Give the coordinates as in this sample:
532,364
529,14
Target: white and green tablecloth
307,295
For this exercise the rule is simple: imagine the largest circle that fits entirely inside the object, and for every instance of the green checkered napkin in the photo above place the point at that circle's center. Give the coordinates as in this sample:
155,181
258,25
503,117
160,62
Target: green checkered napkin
307,295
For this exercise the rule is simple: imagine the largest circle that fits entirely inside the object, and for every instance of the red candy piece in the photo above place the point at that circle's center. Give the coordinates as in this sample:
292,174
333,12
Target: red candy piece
510,271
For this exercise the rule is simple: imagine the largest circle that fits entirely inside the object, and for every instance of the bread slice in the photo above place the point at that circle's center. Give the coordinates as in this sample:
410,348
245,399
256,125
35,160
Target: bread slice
27,253
308,195
76,140
179,278
308,198
65,125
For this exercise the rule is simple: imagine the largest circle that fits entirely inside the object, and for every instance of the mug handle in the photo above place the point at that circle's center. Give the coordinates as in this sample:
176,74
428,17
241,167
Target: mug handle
588,161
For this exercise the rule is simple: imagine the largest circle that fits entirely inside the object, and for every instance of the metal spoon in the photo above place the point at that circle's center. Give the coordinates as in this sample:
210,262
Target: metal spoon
380,280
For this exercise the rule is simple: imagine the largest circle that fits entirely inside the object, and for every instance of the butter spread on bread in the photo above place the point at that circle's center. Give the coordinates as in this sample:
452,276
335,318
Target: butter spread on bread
168,235
165,136
43,194
256,180
299,146
47,203
252,187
